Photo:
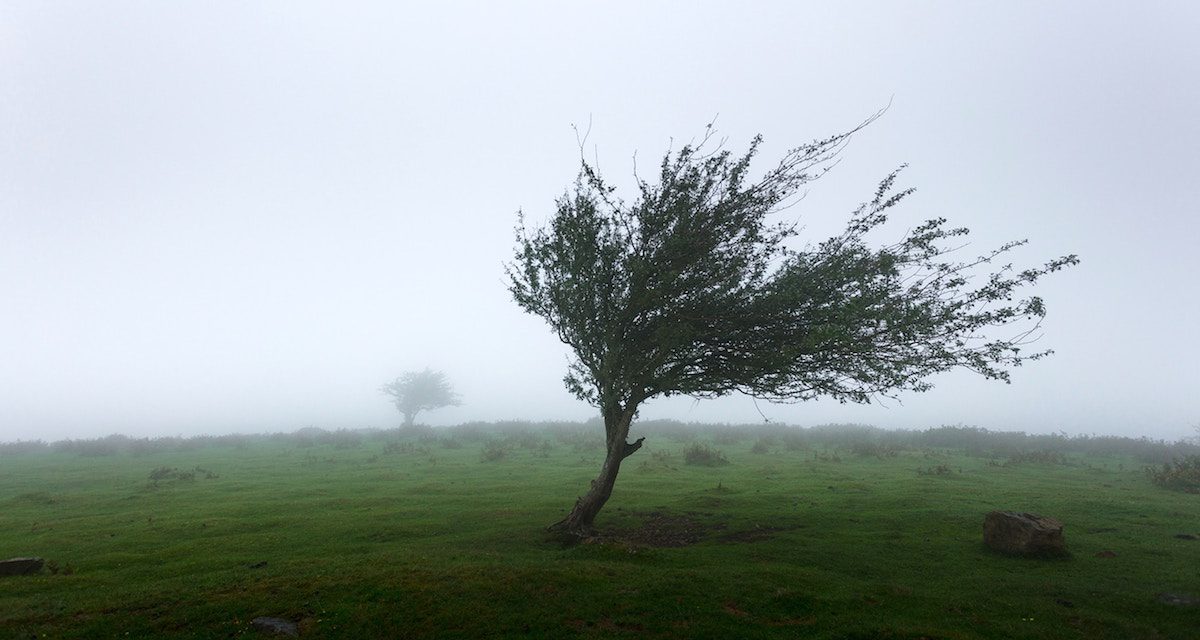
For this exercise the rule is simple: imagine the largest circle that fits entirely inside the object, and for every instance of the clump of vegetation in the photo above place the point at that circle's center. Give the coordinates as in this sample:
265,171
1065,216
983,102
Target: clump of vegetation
56,569
162,474
1182,474
728,436
761,446
703,455
493,451
940,470
873,449
794,441
394,448
1037,457
170,473
23,447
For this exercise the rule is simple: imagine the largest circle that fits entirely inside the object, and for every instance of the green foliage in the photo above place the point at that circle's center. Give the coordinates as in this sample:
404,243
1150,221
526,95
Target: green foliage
1037,457
690,289
1182,474
161,474
418,391
701,455
693,287
873,449
493,451
762,446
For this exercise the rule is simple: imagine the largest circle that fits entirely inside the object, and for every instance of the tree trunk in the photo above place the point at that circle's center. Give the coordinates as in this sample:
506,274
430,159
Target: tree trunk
409,416
579,521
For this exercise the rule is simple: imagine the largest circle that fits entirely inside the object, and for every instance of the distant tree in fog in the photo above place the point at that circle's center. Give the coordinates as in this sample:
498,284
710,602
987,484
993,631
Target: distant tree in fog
418,391
692,288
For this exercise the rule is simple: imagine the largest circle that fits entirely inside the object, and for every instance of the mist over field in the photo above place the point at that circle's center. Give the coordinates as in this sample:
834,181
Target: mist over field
247,217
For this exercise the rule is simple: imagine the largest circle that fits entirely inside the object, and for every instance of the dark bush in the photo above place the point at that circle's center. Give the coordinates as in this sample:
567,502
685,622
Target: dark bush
704,456
873,450
22,447
1037,457
163,474
393,448
493,451
1182,474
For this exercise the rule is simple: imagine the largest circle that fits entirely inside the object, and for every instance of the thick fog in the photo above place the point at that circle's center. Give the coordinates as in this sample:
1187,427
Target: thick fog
220,217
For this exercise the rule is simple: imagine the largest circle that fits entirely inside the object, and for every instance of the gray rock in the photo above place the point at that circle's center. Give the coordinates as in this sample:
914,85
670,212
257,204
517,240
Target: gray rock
20,566
277,626
1178,599
1024,534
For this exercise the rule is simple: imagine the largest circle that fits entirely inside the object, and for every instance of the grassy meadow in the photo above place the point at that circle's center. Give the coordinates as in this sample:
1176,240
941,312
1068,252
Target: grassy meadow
838,532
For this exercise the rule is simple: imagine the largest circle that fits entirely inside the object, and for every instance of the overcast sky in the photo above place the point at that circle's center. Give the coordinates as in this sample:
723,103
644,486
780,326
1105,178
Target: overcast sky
246,216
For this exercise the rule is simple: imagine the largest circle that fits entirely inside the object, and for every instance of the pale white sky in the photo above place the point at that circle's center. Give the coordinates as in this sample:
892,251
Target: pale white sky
230,216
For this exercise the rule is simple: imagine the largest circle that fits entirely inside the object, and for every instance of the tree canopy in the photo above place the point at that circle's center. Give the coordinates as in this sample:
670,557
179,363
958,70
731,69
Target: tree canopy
697,287
417,391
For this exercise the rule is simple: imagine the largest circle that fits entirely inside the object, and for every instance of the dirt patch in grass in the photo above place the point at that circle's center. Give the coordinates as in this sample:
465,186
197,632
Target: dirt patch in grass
663,529
757,534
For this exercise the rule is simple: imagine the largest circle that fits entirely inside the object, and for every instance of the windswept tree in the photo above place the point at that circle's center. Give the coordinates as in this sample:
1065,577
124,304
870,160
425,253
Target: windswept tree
694,288
418,391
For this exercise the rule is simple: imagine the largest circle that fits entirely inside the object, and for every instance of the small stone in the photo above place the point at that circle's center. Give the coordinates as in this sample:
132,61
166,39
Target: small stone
1179,599
20,566
277,626
1024,534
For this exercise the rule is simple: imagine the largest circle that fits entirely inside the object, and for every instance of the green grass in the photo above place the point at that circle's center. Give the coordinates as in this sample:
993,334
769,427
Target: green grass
429,541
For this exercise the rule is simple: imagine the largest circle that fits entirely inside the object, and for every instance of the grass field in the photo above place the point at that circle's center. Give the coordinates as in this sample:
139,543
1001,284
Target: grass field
441,534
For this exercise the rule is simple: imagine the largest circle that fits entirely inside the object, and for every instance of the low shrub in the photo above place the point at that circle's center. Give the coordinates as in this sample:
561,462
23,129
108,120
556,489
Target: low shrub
22,447
1182,474
703,456
493,451
873,449
523,440
162,474
1037,457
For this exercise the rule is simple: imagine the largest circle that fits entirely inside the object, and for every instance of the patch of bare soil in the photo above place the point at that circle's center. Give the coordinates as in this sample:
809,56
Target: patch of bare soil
757,534
662,529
